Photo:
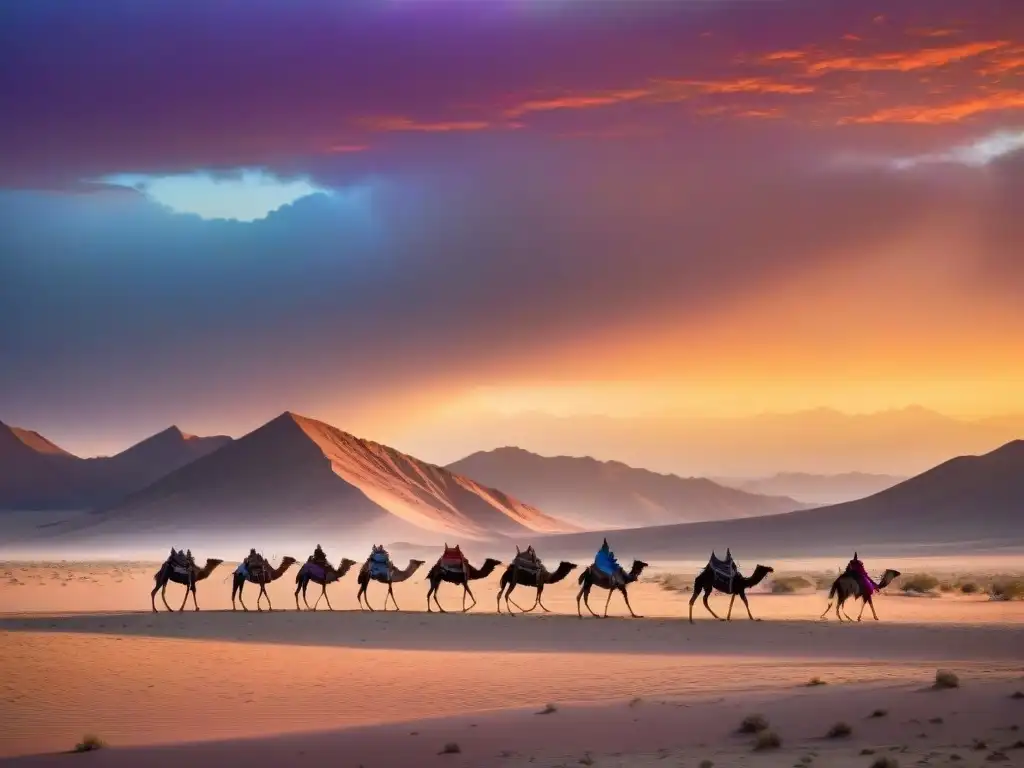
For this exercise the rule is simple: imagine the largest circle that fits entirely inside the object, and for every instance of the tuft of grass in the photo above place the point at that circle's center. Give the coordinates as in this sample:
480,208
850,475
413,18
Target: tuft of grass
89,743
815,681
586,759
753,724
978,745
839,731
879,713
706,764
451,748
548,709
936,720
1017,695
787,585
920,583
1007,589
885,762
767,739
945,679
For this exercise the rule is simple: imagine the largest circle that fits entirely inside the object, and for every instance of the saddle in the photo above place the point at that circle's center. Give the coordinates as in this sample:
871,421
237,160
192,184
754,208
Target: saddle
527,560
453,559
180,563
605,562
379,562
723,571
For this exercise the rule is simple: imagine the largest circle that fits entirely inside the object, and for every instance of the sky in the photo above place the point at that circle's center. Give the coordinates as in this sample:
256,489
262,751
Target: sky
396,215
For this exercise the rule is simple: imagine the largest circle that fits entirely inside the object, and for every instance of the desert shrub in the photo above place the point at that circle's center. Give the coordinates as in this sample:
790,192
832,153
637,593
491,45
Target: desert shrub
945,586
1007,589
1017,695
879,713
90,743
885,762
946,679
839,731
451,748
920,583
548,709
753,724
673,582
767,740
970,588
787,585
814,682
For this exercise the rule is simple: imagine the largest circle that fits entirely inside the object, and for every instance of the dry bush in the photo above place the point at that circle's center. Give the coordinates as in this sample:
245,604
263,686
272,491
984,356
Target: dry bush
673,582
919,583
787,585
1017,695
548,709
879,713
839,731
90,743
814,682
970,588
767,740
753,724
1007,589
885,762
946,679
451,748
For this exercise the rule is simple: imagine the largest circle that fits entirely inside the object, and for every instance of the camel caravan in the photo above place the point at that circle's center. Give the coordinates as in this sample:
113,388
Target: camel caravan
526,569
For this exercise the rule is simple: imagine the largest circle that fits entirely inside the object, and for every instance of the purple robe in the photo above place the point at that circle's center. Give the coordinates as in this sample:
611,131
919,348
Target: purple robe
867,586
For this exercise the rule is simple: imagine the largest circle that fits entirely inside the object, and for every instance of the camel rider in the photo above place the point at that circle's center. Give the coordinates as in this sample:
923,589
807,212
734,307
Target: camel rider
856,569
319,557
606,563
190,560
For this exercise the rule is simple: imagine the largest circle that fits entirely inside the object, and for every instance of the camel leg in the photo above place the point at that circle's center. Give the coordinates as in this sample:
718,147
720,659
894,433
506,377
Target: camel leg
608,602
436,601
163,596
501,588
540,602
508,599
241,602
391,594
195,602
728,615
323,593
825,614
152,596
586,600
848,617
364,596
693,599
469,592
743,597
707,594
430,593
868,601
536,599
838,605
298,588
579,596
184,598
625,596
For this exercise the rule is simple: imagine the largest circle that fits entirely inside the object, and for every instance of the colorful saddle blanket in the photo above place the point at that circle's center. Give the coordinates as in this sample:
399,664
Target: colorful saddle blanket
182,569
528,561
606,563
453,560
314,570
723,572
380,564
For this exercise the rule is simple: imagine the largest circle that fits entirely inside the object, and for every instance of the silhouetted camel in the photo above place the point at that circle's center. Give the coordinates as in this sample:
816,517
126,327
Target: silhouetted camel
514,576
394,576
705,582
848,585
262,575
439,573
594,577
167,574
321,575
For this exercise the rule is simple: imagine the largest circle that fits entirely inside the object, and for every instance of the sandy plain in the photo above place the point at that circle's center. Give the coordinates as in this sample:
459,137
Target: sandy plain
82,653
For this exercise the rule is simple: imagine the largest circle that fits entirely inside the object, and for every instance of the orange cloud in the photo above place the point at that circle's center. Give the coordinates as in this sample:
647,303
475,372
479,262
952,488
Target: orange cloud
945,113
740,85
928,32
337,149
1005,62
387,124
901,61
587,101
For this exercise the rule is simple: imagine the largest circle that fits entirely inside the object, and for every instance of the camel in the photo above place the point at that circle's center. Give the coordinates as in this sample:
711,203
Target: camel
739,585
847,585
593,577
515,575
321,575
261,574
393,576
168,574
439,573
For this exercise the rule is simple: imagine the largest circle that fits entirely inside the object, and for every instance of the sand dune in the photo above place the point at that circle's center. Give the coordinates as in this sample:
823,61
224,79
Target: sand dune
142,680
609,494
815,489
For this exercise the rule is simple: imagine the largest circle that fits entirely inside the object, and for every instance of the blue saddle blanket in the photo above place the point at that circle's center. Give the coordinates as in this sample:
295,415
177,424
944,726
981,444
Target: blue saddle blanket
241,570
380,564
606,562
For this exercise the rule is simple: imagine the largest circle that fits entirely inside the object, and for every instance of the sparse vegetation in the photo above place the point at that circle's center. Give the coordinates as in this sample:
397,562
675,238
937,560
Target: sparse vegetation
672,582
978,745
90,743
814,682
451,748
867,751
586,759
706,764
787,585
879,713
919,583
767,739
885,762
636,702
548,709
753,724
945,679
839,731
1007,589
970,588
1017,695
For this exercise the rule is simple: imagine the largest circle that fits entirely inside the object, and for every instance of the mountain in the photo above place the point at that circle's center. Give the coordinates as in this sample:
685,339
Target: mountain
815,489
821,441
298,477
35,473
966,504
610,494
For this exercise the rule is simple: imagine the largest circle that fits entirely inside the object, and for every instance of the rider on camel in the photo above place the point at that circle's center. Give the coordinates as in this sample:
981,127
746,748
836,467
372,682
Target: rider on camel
319,557
605,562
856,568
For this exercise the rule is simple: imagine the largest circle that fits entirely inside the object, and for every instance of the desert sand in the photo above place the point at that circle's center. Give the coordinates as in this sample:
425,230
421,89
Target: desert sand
82,653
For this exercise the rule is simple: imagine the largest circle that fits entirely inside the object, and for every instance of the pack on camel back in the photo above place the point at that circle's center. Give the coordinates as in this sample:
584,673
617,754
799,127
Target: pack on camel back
379,562
723,571
527,560
181,561
253,564
453,560
606,563
319,557
856,569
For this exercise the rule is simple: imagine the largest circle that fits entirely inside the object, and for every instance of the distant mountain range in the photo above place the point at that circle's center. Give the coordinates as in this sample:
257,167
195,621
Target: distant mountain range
610,494
901,442
815,489
35,473
294,475
966,504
